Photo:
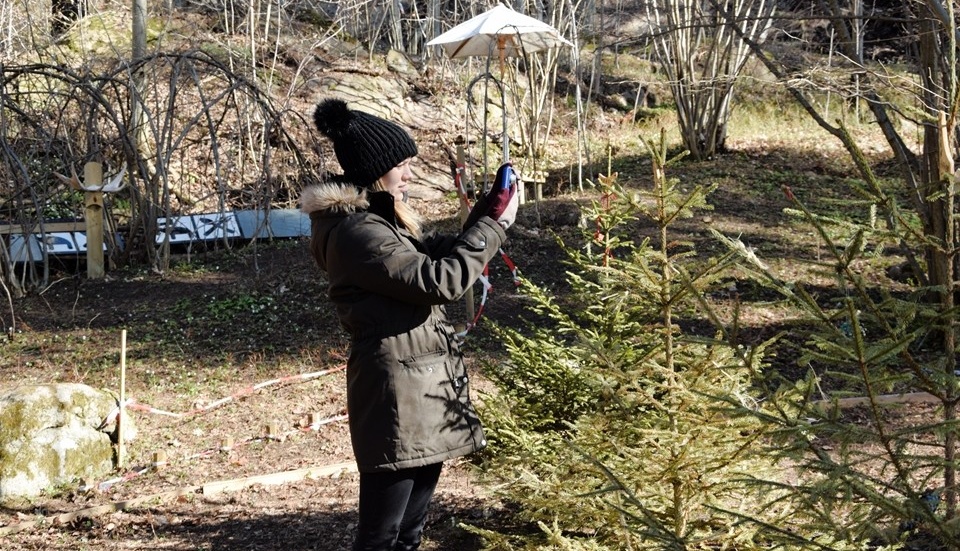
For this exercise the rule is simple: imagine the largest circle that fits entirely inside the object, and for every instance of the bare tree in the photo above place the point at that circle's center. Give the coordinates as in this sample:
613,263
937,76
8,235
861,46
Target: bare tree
702,56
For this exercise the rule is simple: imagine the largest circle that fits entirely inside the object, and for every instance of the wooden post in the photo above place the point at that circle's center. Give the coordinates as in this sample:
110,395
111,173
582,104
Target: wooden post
272,431
159,459
538,178
464,212
93,215
122,416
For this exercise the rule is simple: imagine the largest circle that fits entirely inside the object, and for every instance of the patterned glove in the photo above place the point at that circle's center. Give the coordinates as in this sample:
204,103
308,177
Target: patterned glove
501,202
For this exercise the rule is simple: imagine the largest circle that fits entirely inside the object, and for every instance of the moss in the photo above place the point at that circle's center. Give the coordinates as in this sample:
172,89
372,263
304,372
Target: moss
39,460
156,29
109,33
224,53
11,418
91,457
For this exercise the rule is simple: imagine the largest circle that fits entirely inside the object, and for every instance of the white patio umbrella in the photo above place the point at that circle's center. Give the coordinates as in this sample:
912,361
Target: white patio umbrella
501,32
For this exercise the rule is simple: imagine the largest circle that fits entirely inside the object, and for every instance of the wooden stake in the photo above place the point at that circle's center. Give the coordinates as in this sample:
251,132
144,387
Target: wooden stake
93,216
227,444
121,417
159,459
273,431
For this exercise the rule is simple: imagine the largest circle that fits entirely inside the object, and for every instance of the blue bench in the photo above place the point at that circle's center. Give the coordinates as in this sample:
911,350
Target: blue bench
69,238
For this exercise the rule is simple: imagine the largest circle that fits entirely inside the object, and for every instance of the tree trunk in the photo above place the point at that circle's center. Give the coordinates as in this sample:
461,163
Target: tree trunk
936,173
137,130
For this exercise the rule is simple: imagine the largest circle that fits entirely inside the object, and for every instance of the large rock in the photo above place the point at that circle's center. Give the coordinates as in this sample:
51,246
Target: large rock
50,436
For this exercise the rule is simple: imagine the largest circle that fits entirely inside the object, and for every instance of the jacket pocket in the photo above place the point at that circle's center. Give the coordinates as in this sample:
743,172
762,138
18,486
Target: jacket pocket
428,404
423,360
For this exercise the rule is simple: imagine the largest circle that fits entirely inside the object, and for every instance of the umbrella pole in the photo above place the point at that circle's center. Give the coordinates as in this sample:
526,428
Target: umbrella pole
502,46
506,139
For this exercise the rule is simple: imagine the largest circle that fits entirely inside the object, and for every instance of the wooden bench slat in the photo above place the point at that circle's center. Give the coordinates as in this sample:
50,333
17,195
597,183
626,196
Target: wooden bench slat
49,227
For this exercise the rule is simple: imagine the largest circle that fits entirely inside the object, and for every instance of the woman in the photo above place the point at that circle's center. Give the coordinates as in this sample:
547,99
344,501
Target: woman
407,391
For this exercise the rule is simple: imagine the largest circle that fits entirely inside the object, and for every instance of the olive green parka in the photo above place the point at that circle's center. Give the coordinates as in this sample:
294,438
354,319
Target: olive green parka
407,387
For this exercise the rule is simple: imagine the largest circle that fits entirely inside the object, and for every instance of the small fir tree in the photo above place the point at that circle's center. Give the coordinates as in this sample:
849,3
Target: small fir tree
613,428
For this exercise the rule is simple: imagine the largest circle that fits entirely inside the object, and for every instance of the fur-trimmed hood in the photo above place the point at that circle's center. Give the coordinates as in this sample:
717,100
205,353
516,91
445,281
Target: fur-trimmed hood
334,198
332,204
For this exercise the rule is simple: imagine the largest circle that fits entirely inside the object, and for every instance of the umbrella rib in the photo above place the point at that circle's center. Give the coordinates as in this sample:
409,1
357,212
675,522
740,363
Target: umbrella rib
460,47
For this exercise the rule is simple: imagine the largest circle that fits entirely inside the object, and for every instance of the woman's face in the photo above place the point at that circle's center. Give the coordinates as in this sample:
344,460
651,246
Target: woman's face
395,181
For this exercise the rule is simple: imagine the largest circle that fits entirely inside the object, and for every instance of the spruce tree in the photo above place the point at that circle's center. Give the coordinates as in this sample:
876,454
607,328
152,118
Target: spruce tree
613,427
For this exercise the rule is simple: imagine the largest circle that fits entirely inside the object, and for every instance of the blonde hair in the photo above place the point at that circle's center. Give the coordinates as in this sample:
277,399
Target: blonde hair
406,216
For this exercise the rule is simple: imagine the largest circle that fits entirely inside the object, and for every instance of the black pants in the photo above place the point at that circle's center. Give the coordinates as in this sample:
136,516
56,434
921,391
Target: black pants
393,508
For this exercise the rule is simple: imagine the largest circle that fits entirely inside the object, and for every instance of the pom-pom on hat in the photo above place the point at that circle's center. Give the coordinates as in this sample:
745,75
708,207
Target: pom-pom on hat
366,146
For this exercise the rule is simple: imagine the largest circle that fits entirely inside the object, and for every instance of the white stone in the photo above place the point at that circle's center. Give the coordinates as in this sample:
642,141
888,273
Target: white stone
49,437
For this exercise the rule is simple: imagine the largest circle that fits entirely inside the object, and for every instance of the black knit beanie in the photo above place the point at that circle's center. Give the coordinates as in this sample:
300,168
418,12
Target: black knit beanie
367,147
